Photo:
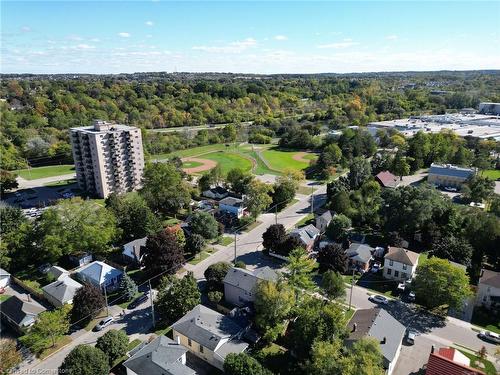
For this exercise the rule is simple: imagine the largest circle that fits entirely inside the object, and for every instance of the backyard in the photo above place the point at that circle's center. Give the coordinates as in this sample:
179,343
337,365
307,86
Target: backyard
493,174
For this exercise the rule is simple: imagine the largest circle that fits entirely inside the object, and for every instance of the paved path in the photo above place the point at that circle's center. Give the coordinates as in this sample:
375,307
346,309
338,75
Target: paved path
26,184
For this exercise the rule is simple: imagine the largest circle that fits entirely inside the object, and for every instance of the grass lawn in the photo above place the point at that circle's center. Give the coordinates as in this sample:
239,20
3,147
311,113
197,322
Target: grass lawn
161,330
199,257
124,305
482,318
171,221
493,174
195,151
229,160
253,225
306,220
260,168
224,241
487,366
191,164
275,357
61,184
305,190
4,297
137,275
132,344
377,284
42,172
349,314
63,341
281,159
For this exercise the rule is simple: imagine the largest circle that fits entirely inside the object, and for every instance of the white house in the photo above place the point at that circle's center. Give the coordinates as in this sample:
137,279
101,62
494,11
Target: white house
4,278
323,220
488,290
162,356
101,275
233,206
209,335
216,193
132,250
61,292
239,284
400,264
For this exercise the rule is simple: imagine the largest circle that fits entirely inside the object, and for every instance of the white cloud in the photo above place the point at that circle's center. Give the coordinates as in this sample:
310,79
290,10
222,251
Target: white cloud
124,35
149,36
391,37
83,46
149,23
233,47
74,37
25,29
95,40
346,43
281,37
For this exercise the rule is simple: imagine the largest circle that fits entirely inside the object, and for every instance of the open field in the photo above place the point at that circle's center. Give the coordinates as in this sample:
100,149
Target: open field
230,160
280,159
492,174
42,172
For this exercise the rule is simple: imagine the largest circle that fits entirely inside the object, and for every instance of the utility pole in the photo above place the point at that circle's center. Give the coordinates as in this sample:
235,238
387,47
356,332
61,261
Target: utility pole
106,297
276,213
152,302
234,247
312,200
352,287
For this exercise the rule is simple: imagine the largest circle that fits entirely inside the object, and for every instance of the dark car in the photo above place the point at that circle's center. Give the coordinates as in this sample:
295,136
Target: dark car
139,300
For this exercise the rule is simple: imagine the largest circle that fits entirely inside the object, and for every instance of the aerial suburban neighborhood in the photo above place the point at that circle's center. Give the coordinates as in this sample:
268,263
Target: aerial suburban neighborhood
181,199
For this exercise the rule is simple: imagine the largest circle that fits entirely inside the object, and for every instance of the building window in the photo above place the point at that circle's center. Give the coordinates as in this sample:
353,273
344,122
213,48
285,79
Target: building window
403,275
405,266
391,262
201,349
396,273
389,271
189,342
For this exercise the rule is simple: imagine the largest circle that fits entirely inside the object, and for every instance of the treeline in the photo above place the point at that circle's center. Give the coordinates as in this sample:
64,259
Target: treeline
36,113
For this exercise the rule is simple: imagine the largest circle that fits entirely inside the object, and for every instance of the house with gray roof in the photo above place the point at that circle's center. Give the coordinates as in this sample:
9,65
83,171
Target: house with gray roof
101,275
209,335
233,206
449,175
488,290
307,235
132,250
400,264
20,312
4,278
61,292
162,356
359,256
57,272
379,324
323,220
240,284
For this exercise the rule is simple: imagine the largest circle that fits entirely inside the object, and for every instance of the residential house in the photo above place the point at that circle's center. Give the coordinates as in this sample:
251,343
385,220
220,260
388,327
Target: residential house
101,275
4,278
449,175
387,180
359,257
488,290
233,206
240,284
379,324
400,264
216,193
61,292
80,259
209,335
162,356
57,273
323,220
132,250
20,312
449,361
306,235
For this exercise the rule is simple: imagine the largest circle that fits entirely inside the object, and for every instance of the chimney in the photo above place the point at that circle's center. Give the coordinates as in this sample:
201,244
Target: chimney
384,340
28,297
354,327
433,348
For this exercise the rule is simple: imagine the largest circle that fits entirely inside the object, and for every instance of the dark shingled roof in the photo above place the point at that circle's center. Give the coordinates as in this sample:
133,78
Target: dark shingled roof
387,179
247,280
18,310
159,357
490,278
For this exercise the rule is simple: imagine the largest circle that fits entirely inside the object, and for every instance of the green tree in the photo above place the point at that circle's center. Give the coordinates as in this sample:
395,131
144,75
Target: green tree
333,285
204,224
75,225
273,303
164,189
338,227
274,237
453,248
330,156
229,133
243,364
87,303
284,192
364,358
162,253
333,257
133,216
16,237
10,357
85,360
300,270
176,297
359,172
238,180
440,283
49,327
128,288
258,197
114,344
478,189
400,166
325,358
215,274
7,181
195,243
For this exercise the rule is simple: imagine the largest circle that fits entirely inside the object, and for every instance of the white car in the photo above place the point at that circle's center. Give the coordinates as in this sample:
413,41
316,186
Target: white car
489,336
379,299
104,323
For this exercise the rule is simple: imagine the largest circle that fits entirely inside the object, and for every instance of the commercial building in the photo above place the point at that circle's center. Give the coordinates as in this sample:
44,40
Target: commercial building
108,158
449,175
489,108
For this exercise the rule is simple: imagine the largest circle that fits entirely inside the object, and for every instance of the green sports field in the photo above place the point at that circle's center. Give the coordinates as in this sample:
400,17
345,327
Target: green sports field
229,160
280,159
191,164
42,172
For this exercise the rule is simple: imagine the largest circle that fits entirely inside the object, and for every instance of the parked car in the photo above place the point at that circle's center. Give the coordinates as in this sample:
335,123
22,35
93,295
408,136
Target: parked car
104,323
138,301
411,297
376,267
489,336
379,299
450,189
410,337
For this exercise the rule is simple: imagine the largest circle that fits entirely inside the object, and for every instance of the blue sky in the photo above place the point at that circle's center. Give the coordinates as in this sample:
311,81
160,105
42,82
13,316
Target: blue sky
248,37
